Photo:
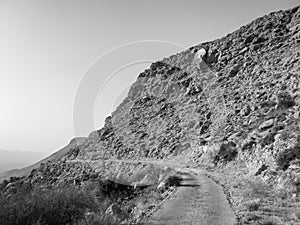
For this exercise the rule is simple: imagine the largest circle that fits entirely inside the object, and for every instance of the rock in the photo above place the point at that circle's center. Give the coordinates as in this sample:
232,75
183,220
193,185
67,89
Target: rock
249,39
284,100
244,50
8,186
259,40
117,212
146,181
201,53
234,71
262,168
212,57
246,110
161,185
295,21
255,47
267,124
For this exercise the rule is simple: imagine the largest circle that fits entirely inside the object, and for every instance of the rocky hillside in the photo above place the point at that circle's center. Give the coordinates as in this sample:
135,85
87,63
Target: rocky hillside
243,97
237,104
54,158
241,101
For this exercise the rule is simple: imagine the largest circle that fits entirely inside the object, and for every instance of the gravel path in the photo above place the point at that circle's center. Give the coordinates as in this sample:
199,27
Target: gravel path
198,201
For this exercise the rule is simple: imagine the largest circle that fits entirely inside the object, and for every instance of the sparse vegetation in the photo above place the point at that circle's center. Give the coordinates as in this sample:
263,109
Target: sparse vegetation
257,189
52,206
21,203
268,222
284,100
285,157
257,201
173,181
253,206
227,153
97,219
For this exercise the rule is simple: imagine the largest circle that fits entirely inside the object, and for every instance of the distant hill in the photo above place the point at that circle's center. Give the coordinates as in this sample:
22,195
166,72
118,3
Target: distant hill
18,159
11,167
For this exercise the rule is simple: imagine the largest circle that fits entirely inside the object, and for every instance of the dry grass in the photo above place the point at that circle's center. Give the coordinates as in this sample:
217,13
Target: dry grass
257,202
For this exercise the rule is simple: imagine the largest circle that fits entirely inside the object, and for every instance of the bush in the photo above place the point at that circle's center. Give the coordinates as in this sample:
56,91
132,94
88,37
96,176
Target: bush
268,222
257,189
253,206
23,204
173,181
284,158
285,100
227,153
97,219
112,190
51,206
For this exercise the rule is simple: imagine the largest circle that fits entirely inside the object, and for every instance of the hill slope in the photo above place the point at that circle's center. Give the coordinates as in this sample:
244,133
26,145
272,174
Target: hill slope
25,171
237,109
239,99
246,91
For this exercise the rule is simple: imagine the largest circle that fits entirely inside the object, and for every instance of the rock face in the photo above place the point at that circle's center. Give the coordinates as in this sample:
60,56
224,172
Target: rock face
241,101
244,95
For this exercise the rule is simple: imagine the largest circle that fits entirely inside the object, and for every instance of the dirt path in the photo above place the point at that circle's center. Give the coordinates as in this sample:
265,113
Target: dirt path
198,201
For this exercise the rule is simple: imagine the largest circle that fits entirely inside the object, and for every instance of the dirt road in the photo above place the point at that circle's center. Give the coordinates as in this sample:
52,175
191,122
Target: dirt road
198,201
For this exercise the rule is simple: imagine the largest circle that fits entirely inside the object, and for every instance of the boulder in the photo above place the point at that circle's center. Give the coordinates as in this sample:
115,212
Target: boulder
234,70
201,53
267,124
161,185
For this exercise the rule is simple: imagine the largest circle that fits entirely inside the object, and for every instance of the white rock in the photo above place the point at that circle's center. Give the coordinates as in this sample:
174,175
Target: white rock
201,53
266,124
161,185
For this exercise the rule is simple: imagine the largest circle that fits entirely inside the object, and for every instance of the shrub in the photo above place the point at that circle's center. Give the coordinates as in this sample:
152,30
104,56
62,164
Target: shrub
51,206
173,181
253,206
23,204
97,219
257,189
227,153
285,157
268,139
285,100
112,190
3,184
268,222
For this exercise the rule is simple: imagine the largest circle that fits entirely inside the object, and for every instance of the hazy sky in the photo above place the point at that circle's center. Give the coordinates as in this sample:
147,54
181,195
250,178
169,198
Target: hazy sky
50,51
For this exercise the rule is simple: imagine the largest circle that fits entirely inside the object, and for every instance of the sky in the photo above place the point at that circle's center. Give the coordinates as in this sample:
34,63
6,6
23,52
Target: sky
66,64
